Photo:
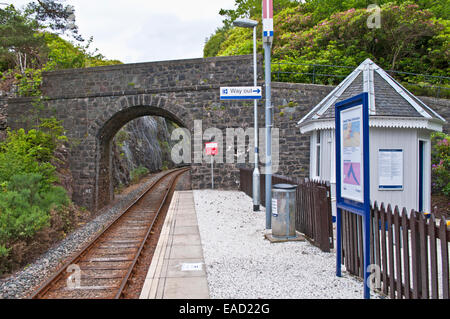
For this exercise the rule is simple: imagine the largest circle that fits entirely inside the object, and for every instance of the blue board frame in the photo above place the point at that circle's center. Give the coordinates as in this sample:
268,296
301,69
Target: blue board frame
353,206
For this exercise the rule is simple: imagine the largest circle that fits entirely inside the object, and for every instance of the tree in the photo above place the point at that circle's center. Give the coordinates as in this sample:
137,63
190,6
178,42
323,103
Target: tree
19,44
56,16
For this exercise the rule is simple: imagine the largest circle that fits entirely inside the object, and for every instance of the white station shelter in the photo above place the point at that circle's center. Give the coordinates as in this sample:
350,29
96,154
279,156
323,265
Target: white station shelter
400,126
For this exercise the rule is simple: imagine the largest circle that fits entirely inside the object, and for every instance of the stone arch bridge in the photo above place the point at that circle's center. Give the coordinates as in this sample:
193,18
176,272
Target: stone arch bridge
94,103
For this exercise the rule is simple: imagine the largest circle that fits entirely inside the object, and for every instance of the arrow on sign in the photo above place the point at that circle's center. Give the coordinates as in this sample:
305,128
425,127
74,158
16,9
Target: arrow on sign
241,93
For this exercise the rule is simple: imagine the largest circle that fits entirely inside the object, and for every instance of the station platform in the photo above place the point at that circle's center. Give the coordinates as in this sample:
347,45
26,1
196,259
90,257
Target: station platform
178,270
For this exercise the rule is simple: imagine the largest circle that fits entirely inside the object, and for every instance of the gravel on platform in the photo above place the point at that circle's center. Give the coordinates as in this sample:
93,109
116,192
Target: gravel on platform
241,263
23,282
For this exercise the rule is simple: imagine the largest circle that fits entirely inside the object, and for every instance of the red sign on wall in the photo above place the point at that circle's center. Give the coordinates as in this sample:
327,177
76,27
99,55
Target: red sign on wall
211,148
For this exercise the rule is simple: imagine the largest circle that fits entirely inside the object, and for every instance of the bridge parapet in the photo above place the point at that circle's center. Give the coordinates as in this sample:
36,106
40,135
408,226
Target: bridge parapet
151,77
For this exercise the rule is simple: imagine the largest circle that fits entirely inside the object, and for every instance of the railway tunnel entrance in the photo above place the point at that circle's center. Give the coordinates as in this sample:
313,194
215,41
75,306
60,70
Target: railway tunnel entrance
104,189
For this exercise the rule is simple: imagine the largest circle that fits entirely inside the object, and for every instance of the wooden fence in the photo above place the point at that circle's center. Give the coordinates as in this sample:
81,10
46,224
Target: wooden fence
313,206
313,214
410,251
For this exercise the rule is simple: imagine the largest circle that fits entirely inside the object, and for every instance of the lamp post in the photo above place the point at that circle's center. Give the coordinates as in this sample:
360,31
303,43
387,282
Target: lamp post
248,23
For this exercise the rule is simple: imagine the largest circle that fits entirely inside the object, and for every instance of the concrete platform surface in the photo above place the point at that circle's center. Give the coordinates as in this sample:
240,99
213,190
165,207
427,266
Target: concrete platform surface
177,270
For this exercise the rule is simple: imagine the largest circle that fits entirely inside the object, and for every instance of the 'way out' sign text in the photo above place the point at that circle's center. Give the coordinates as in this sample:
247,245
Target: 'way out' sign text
241,93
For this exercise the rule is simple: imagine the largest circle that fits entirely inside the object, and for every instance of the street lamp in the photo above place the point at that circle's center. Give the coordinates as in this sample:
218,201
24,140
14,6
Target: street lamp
248,23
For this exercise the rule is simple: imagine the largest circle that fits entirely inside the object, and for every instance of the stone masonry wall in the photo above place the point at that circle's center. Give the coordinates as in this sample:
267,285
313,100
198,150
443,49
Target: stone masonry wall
442,107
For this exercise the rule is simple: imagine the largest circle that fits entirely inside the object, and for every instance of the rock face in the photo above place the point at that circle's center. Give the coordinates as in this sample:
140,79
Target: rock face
144,141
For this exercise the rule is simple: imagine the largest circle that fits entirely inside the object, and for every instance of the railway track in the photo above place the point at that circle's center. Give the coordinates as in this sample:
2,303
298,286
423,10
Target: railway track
102,269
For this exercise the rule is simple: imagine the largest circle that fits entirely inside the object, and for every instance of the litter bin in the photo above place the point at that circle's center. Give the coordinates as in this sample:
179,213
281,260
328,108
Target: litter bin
283,211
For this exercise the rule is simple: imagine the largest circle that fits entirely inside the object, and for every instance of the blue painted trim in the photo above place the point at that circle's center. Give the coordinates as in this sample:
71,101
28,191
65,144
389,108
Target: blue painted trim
390,186
362,209
421,149
241,97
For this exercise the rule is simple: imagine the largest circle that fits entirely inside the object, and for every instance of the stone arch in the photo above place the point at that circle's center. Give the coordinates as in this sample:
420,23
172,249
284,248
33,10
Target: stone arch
109,123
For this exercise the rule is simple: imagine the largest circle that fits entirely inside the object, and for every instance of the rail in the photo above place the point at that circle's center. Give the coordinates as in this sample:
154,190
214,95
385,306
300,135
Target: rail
122,226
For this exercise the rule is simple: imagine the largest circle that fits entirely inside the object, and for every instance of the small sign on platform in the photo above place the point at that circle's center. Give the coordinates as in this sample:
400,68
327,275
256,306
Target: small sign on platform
211,148
191,266
241,93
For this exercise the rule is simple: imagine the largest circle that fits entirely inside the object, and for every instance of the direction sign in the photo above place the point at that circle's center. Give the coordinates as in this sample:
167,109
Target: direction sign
211,148
241,93
267,20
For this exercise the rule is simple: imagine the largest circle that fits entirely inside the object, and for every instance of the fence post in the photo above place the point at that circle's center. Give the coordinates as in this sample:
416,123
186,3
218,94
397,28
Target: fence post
314,74
278,72
416,266
439,88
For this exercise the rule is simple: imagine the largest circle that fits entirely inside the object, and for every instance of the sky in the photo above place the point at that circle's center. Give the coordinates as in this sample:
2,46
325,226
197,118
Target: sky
147,30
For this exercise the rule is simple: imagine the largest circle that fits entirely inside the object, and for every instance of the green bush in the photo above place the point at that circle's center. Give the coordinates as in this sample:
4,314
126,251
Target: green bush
25,206
440,160
30,82
414,38
137,173
31,152
27,193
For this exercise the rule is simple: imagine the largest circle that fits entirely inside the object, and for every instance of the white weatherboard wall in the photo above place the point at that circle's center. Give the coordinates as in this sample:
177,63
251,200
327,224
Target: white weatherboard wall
381,138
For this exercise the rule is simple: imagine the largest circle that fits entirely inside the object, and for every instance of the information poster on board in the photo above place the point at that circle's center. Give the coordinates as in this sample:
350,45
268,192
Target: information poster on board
390,169
352,183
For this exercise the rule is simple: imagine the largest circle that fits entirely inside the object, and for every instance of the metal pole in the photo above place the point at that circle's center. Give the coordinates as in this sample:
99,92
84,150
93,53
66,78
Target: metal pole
212,172
338,242
256,175
267,48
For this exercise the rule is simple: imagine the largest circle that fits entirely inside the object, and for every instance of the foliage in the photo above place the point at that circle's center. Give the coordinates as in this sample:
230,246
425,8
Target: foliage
212,45
27,48
412,38
29,83
121,137
27,193
20,46
66,55
25,207
440,160
137,173
31,152
238,42
54,15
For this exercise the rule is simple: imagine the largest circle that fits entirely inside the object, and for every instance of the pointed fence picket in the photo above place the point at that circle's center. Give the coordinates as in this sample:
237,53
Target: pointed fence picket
411,252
